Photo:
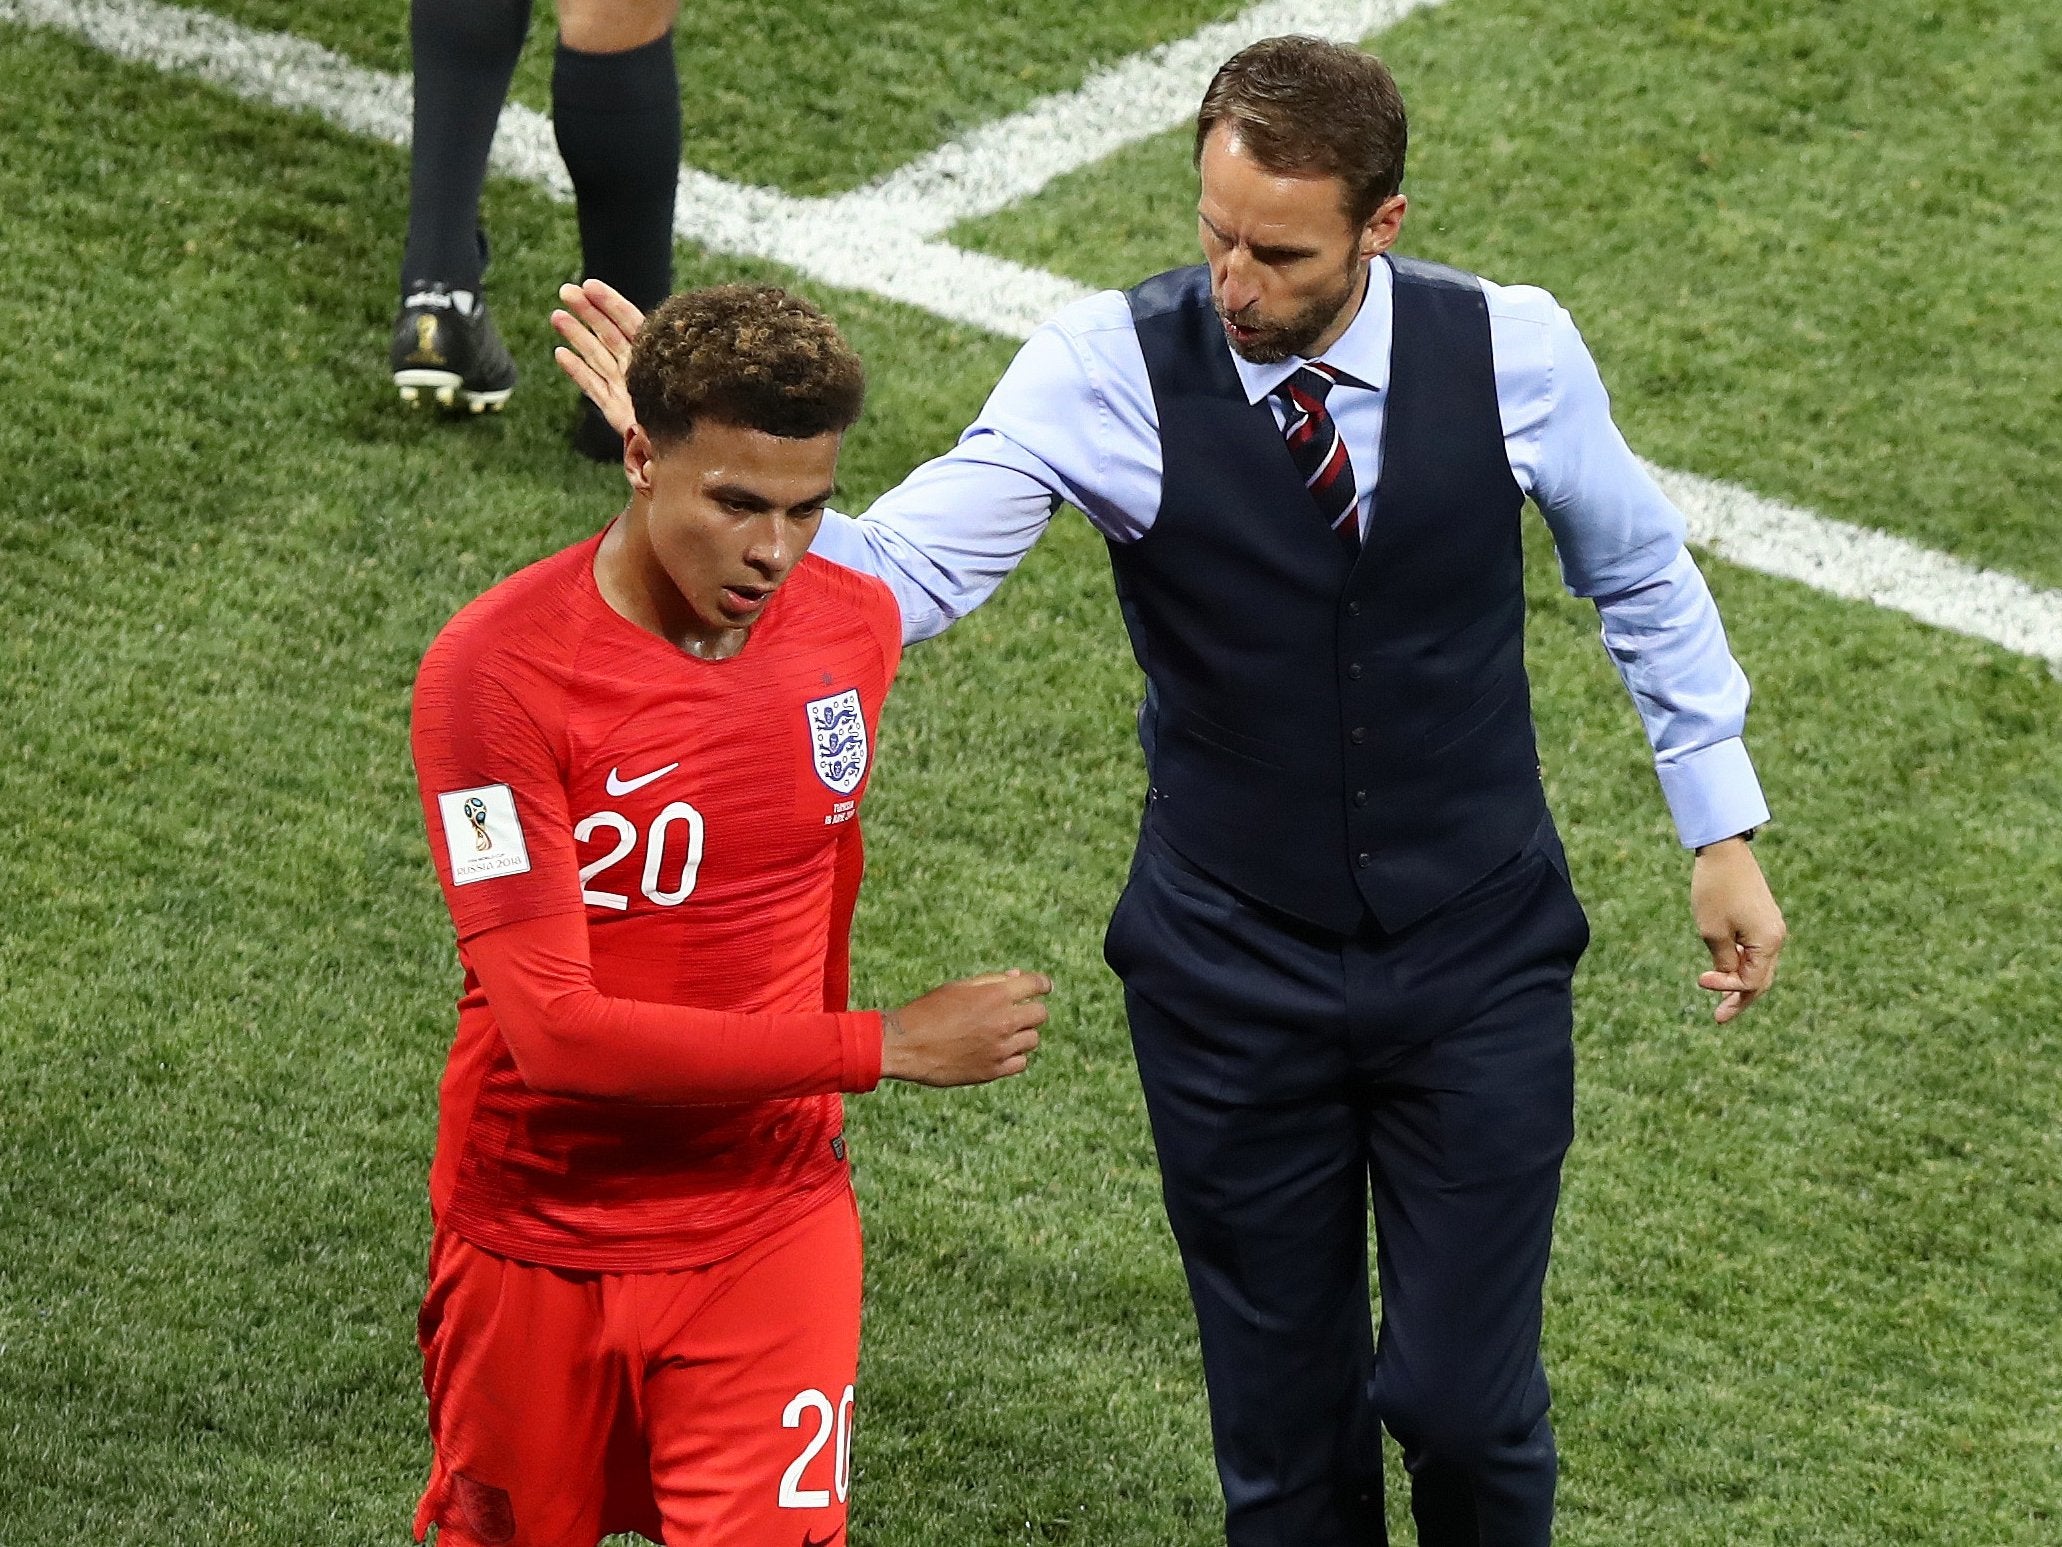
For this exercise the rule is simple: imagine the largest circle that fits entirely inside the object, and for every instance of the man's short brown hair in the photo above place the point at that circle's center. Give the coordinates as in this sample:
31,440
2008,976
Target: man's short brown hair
1303,105
749,355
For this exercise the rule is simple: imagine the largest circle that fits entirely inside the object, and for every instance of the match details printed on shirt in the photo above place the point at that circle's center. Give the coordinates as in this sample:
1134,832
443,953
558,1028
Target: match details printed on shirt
483,834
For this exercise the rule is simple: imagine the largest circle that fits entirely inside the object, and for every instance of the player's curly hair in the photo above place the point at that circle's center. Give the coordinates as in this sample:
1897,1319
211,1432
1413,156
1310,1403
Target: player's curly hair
1307,105
749,355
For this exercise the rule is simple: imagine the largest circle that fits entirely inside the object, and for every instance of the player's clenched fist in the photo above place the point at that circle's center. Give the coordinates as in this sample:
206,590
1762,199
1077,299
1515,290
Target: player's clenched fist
966,1033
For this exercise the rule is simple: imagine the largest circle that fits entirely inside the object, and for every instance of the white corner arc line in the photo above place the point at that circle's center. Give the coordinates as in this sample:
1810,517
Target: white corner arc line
813,237
1012,158
874,241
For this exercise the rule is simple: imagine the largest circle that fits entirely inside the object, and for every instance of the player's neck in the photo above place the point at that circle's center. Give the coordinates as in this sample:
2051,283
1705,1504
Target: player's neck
636,587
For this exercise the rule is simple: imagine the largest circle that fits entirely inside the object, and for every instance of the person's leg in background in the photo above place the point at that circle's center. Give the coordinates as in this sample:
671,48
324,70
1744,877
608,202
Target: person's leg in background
615,106
445,347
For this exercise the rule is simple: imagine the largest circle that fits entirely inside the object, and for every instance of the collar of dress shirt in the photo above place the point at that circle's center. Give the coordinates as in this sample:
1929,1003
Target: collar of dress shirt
1362,350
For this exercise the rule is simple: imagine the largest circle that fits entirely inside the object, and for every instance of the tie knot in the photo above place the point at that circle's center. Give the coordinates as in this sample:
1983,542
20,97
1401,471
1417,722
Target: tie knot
1312,382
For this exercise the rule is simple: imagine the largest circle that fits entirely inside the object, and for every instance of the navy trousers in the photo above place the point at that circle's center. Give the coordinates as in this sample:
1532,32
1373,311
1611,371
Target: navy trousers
1292,1076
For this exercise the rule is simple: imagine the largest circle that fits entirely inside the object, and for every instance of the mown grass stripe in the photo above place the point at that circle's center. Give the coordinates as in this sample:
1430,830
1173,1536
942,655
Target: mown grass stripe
813,236
866,242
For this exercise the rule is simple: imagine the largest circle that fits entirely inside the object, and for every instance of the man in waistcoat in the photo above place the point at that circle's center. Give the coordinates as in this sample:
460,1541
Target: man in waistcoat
1348,936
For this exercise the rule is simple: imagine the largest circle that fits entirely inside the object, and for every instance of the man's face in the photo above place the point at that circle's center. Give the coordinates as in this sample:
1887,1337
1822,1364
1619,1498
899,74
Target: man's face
731,513
1286,261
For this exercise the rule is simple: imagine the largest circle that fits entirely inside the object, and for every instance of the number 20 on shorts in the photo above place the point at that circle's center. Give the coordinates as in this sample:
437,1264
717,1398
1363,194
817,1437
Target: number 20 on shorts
811,1409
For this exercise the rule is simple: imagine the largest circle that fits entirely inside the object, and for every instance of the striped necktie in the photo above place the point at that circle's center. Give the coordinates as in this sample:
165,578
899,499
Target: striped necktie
1318,451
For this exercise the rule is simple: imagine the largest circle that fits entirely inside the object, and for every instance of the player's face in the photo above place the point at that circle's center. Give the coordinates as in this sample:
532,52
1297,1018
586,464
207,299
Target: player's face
1287,263
729,514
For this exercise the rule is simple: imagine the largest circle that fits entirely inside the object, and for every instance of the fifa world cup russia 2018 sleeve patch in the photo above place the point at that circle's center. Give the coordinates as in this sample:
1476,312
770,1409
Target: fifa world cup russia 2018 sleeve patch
837,738
483,834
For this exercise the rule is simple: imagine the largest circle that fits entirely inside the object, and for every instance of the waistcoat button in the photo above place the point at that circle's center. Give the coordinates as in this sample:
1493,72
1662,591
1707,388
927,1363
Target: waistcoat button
1360,734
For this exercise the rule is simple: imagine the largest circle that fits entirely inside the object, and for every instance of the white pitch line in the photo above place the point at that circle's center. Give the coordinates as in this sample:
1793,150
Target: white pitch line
1867,565
1012,158
872,241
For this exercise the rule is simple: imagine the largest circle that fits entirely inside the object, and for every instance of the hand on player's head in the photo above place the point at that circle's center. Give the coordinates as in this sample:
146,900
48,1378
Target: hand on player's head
968,1032
599,325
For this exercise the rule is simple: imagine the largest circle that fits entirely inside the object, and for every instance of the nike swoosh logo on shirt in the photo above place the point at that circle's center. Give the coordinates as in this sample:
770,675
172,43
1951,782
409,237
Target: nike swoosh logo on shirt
618,786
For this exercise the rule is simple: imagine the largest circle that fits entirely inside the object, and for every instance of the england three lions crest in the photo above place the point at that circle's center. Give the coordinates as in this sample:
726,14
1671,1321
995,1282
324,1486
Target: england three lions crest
837,735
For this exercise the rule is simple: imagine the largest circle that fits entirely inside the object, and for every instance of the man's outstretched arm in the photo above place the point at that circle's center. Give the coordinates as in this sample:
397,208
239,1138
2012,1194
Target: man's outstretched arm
1059,427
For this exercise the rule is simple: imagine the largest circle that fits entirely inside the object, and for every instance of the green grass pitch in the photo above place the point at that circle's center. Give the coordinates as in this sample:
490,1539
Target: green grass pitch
1809,1266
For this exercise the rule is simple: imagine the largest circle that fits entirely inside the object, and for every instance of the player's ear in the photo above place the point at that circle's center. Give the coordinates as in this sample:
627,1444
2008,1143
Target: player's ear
637,460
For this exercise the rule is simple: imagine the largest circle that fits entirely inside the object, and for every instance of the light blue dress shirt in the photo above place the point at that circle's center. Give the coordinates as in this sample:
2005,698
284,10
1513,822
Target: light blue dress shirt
1073,420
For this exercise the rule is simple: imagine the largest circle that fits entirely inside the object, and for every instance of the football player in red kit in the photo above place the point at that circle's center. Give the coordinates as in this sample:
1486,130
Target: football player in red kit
642,762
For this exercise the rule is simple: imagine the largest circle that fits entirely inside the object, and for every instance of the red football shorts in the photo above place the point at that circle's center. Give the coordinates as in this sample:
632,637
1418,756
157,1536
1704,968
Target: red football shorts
703,1407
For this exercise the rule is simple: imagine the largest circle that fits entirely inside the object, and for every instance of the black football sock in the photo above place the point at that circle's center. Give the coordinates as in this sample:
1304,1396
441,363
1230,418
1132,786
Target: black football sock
617,117
465,54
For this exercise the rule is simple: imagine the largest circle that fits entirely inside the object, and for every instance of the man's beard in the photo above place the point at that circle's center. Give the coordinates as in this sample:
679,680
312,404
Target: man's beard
1277,341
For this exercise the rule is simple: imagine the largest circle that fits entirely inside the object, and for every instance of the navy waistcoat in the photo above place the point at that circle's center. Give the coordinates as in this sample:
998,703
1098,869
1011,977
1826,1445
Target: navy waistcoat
1329,735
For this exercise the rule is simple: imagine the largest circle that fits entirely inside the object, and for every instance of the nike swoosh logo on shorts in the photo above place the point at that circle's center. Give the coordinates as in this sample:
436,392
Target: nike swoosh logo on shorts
625,786
810,1541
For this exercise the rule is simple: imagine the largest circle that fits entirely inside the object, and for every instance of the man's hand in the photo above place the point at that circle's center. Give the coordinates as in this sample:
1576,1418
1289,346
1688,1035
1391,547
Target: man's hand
968,1032
1739,921
600,325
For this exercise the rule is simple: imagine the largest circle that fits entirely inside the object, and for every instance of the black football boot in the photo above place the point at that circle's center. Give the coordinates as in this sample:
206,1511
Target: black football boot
446,351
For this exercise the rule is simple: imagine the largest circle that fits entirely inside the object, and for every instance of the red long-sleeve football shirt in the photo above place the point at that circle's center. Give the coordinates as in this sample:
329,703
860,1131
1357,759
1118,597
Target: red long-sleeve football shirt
651,862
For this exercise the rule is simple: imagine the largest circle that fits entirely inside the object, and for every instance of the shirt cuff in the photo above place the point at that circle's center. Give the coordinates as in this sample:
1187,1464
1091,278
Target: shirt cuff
861,1034
1712,792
